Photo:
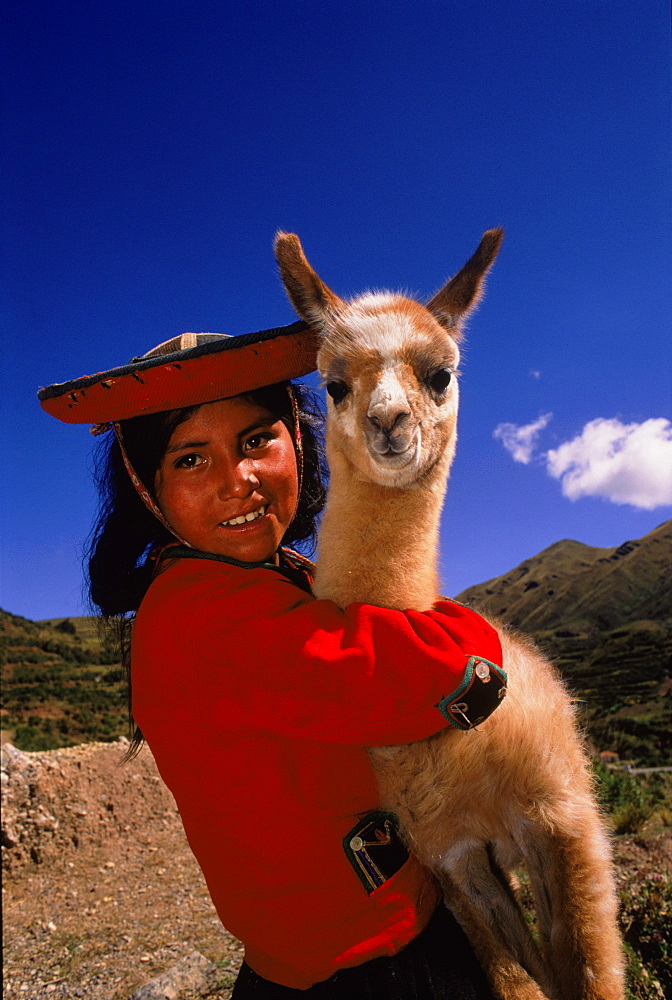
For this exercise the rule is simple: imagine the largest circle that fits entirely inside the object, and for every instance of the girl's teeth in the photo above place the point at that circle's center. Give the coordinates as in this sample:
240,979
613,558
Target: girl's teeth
252,516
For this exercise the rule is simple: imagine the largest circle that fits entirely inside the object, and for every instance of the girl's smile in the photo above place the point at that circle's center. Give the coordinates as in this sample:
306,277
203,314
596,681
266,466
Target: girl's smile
227,482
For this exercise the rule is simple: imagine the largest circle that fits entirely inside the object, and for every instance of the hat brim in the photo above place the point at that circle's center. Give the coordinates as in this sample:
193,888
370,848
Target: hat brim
216,370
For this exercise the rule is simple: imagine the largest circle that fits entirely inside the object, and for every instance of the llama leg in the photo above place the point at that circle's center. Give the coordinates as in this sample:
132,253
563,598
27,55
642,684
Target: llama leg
576,907
480,896
508,979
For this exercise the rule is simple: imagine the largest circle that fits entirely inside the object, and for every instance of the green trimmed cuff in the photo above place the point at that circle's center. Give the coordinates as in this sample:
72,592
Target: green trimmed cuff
479,694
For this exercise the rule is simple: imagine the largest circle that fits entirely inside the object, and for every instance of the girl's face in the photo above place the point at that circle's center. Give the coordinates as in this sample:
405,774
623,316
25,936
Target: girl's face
228,482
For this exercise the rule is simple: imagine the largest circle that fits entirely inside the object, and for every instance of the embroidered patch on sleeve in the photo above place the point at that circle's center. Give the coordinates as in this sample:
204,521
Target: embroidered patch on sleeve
479,694
374,849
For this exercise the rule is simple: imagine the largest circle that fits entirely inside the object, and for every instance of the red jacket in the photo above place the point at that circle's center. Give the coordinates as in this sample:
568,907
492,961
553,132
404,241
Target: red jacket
258,702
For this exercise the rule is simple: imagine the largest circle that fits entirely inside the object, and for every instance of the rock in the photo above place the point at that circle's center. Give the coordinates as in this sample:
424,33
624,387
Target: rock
193,974
9,838
12,758
51,801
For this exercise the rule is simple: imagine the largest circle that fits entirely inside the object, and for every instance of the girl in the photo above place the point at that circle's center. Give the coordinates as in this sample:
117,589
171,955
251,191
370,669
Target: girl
213,469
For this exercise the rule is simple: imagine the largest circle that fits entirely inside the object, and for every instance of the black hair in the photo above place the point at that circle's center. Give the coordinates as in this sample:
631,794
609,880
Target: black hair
126,535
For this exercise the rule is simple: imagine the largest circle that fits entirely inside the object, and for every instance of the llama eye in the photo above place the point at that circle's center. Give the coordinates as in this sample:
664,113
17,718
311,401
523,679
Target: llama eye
439,380
337,390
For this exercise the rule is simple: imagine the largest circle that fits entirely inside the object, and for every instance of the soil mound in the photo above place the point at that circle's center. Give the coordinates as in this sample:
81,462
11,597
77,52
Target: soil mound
101,892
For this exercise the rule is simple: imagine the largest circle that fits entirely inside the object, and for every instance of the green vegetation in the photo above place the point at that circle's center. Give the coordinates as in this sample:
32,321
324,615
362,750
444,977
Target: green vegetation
634,804
633,801
61,684
66,626
604,616
621,680
646,923
574,586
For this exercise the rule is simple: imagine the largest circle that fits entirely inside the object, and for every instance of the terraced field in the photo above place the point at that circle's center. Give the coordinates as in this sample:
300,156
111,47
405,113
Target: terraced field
61,684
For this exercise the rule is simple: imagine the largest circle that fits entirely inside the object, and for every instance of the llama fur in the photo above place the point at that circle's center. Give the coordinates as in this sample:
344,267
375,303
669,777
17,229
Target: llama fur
472,805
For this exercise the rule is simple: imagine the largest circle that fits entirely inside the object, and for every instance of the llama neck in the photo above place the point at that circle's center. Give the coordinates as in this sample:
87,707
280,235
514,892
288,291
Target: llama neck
379,544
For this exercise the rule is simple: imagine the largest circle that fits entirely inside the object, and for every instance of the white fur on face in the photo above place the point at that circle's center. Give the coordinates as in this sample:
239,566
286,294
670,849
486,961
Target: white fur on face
384,332
389,394
345,417
375,300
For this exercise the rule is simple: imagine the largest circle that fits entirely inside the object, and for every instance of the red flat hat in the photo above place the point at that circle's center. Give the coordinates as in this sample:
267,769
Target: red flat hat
193,368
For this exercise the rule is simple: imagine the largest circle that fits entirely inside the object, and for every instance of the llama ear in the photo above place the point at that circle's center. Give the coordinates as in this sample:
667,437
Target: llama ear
309,295
462,294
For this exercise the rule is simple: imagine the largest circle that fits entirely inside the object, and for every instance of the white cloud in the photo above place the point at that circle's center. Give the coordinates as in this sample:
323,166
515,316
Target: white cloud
623,463
520,441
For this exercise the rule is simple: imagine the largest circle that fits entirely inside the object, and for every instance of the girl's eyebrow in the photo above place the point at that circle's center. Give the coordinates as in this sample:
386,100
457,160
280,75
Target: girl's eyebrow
181,445
258,425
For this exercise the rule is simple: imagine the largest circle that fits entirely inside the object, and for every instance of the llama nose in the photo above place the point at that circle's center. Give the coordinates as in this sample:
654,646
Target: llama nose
388,416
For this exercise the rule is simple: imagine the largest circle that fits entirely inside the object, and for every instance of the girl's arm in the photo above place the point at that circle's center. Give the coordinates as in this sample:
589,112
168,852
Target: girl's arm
255,653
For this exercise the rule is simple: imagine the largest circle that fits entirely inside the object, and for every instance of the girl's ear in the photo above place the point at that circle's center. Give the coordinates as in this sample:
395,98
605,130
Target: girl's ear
461,294
312,299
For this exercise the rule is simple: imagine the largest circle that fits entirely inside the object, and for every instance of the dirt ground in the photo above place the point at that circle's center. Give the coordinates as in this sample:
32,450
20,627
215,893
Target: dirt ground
100,890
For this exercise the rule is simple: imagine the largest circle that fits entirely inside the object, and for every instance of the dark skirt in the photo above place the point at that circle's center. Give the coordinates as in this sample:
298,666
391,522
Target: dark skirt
437,965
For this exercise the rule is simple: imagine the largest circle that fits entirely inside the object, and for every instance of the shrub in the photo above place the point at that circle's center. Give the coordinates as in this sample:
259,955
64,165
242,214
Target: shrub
646,922
31,738
66,626
628,800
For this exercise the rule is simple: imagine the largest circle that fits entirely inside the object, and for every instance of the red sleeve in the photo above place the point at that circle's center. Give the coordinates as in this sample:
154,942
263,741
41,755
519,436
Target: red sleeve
262,655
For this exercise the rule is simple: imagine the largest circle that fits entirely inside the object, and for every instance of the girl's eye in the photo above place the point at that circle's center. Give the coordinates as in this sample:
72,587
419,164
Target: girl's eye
190,461
257,441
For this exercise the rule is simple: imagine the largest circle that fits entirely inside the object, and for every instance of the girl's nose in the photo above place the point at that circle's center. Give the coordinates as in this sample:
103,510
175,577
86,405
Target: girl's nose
239,480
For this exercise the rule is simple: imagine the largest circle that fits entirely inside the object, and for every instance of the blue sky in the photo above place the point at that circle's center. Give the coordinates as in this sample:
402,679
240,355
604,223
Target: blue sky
152,150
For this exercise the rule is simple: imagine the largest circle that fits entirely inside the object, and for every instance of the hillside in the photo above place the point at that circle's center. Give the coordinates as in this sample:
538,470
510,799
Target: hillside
605,617
574,585
100,890
61,684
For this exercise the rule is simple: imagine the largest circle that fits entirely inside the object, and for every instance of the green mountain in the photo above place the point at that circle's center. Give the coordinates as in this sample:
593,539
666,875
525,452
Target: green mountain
605,618
61,684
574,585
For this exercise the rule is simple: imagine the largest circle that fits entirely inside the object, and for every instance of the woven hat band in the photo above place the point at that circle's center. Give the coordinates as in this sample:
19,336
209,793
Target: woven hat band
184,342
140,488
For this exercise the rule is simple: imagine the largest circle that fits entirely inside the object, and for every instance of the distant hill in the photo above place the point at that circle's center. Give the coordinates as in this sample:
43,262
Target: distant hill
605,617
61,684
574,585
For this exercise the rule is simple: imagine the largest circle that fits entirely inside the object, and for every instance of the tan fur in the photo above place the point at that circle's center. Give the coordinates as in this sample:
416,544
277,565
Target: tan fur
475,804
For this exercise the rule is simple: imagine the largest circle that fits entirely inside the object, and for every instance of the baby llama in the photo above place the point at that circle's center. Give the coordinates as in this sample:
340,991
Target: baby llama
474,804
